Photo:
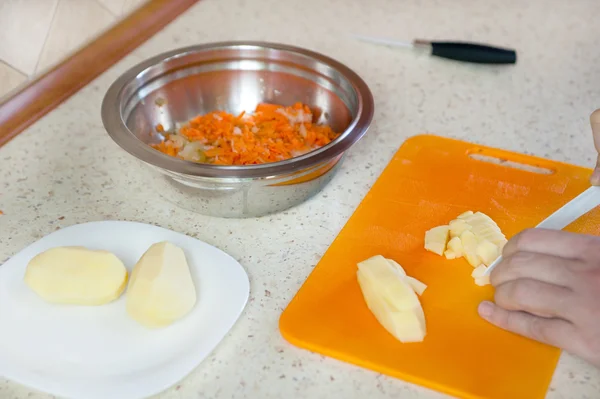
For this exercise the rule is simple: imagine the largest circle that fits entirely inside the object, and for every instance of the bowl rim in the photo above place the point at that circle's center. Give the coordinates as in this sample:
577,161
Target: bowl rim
116,128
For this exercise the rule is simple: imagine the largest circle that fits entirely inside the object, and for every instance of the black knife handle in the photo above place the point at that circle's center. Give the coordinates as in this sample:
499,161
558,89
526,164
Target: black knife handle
471,52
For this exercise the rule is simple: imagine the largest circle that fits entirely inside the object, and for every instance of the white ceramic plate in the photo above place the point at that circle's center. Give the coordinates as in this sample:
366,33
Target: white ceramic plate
99,352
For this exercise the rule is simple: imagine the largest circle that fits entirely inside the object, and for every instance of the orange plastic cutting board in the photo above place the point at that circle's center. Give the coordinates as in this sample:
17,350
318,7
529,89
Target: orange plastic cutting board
430,181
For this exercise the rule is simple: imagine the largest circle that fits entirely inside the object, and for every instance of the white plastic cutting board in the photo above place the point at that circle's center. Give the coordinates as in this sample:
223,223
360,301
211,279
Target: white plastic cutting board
99,352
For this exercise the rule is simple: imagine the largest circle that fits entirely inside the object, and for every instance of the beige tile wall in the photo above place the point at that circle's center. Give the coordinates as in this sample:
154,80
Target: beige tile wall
38,34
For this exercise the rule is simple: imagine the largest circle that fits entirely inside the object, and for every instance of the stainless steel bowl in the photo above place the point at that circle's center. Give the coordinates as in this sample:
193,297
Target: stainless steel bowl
173,87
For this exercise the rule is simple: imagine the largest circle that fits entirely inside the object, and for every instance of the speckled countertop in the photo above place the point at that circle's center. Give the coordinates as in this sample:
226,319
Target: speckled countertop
65,169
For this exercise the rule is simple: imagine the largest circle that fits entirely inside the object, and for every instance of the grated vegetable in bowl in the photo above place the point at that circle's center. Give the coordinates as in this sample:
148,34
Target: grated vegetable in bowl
271,133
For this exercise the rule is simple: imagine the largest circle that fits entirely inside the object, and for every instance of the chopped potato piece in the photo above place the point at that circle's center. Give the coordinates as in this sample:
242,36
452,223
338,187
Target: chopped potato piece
481,281
479,275
487,252
465,215
450,254
455,245
479,271
469,242
436,239
457,226
485,228
472,235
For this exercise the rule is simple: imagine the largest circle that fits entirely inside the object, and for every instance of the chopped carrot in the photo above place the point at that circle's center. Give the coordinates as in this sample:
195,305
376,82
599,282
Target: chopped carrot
272,133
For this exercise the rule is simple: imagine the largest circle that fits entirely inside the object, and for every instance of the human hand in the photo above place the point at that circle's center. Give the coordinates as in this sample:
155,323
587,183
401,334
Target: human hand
595,121
548,289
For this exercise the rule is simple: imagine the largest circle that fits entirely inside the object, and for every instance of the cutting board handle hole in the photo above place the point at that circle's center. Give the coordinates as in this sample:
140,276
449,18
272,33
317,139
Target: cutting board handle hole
511,164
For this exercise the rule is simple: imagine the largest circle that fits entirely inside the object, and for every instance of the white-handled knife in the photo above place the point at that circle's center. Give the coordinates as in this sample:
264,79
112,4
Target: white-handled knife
566,215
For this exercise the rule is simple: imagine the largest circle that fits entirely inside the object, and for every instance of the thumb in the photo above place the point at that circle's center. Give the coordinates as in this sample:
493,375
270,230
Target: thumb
555,332
595,122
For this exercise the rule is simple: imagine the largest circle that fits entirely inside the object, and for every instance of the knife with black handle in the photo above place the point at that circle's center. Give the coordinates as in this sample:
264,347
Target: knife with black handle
471,52
458,51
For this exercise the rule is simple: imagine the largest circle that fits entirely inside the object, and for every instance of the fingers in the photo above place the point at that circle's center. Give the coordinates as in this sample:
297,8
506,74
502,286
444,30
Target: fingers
555,332
595,122
595,179
535,297
545,268
553,242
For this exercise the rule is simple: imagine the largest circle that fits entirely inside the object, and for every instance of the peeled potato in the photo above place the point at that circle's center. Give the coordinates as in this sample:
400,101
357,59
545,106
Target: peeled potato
391,285
391,296
406,326
76,276
161,289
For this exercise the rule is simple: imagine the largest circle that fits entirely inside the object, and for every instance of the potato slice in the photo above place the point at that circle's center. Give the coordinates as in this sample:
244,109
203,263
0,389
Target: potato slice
416,285
399,269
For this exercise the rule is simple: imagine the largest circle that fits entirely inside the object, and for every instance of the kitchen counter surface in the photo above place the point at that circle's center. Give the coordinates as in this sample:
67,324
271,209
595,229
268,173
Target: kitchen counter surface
65,169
